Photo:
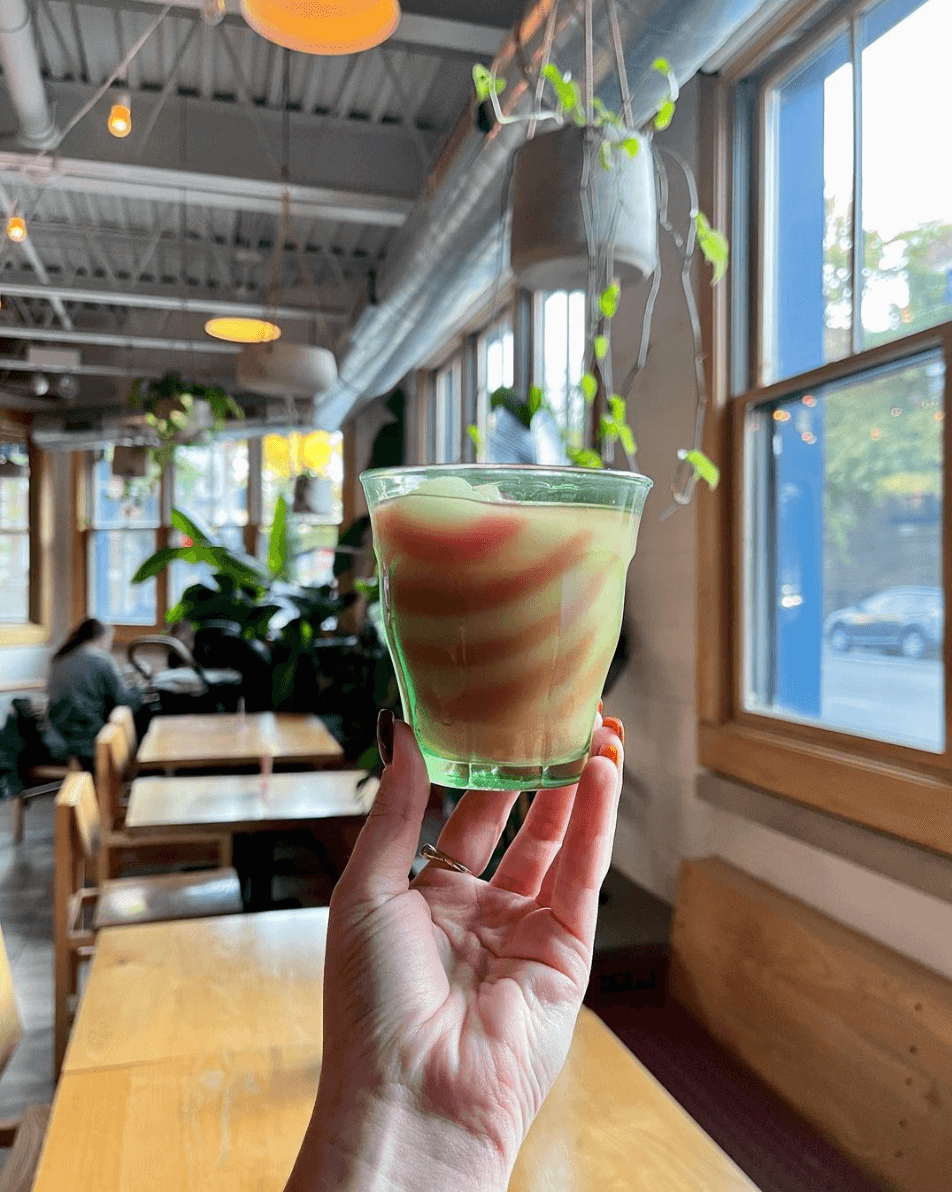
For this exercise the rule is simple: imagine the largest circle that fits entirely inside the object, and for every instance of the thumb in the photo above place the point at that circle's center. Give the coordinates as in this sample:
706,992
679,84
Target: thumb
387,845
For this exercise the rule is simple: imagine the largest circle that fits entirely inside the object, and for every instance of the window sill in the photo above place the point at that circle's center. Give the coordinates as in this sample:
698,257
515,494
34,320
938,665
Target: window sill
914,806
24,635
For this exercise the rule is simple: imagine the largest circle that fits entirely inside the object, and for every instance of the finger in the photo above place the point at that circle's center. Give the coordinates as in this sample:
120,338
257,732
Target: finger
387,844
527,859
472,832
585,856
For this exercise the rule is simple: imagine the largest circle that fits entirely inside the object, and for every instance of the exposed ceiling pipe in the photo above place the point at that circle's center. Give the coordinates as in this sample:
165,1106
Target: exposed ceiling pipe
21,74
452,246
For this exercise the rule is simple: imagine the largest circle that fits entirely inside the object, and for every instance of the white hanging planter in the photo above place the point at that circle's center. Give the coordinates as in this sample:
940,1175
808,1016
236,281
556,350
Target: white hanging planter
549,242
281,369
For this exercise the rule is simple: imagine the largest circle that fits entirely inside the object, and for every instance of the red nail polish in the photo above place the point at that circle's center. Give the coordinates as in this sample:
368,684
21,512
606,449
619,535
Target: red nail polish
610,752
616,726
601,706
385,735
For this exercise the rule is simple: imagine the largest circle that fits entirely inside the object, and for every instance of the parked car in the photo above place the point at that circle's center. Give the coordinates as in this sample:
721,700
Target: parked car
906,620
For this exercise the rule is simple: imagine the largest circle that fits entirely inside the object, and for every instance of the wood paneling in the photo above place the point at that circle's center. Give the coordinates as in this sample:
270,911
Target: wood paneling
854,1036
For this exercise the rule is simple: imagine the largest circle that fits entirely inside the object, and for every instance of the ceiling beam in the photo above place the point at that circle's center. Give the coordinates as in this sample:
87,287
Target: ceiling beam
340,170
207,303
110,340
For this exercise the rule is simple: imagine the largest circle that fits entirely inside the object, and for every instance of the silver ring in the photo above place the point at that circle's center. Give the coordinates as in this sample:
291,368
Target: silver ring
434,854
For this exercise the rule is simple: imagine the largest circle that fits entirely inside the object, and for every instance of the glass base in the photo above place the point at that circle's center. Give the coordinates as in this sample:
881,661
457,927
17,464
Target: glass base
492,776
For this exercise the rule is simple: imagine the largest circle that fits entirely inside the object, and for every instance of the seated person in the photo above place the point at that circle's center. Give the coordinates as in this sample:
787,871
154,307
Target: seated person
84,687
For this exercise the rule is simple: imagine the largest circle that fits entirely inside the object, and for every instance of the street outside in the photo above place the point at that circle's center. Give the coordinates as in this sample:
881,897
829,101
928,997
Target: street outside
884,696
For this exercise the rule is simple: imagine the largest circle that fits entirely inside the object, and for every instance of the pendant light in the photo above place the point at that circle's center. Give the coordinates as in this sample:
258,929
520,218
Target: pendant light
16,228
120,116
238,330
323,26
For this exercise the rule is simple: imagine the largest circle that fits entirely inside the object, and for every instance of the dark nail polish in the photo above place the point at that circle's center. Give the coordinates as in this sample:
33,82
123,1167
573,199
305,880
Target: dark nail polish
385,735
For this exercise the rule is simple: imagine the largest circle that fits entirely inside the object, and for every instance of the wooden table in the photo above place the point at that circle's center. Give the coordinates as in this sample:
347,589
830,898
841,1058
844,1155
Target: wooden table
327,801
216,740
197,1053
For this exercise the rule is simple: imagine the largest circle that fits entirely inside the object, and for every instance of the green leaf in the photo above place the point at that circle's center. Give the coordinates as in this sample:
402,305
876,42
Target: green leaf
485,84
601,346
627,438
617,405
567,92
535,400
156,563
631,146
176,613
609,429
178,418
476,437
589,386
278,542
584,457
608,301
665,115
605,155
714,245
184,524
662,65
704,468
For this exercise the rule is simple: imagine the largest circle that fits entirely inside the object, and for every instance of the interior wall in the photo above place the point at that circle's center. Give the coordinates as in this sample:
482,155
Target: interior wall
661,819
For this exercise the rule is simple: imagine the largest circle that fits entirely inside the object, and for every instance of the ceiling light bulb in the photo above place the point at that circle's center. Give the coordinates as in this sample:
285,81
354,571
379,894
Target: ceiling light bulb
243,330
120,117
16,229
213,12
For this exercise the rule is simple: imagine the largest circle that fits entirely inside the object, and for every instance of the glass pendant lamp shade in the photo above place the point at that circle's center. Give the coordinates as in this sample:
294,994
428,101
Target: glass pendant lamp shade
323,26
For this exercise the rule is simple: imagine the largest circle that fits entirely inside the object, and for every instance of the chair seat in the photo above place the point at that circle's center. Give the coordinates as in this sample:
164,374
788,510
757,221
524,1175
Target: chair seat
40,774
24,1155
199,895
185,681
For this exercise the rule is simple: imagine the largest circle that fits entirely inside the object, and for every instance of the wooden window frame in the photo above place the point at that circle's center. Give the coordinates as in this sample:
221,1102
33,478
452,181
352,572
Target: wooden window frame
37,630
900,791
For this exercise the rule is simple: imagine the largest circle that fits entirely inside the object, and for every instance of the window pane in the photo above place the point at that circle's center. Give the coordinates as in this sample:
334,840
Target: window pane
286,458
15,577
111,508
14,486
211,482
115,555
448,413
808,266
837,633
562,359
907,194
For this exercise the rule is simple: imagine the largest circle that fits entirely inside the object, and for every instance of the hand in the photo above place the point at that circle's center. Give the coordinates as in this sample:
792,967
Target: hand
450,1002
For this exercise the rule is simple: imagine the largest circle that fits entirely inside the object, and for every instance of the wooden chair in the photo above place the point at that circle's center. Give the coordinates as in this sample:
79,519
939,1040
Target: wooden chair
44,780
80,911
113,767
22,1137
123,717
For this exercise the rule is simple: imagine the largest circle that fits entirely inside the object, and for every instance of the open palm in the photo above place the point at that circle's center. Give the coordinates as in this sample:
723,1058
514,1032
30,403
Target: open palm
464,993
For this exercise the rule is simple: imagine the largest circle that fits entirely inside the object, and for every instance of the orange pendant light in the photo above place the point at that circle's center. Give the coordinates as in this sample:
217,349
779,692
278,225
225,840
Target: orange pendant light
323,26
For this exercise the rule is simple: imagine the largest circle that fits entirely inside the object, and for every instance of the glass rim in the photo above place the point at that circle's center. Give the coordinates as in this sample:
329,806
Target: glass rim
532,469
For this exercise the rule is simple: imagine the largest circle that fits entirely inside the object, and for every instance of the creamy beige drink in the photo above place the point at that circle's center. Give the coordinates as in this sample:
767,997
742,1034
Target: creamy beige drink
502,618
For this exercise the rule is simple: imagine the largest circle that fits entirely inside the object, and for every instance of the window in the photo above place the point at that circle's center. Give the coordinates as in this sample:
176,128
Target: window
494,368
123,533
447,409
14,533
561,358
821,655
308,471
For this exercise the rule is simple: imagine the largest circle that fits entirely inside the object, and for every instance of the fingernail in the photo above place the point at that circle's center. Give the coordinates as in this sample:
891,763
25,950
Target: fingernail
616,726
609,751
601,706
385,735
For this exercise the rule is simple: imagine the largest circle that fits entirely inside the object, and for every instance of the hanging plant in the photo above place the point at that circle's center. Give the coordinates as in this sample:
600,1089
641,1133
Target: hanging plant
590,201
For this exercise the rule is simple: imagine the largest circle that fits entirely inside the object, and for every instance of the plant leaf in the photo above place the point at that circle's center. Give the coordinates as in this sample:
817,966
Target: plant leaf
609,428
156,563
714,245
605,155
589,386
631,145
535,400
704,468
608,301
584,457
484,82
191,529
662,65
617,407
601,346
627,438
278,542
665,115
476,437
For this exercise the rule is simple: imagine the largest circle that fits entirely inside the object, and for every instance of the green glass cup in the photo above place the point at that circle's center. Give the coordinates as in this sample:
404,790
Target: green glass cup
501,590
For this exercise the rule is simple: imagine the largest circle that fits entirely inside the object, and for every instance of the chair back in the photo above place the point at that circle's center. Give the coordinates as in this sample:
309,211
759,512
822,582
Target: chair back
121,715
11,1026
113,761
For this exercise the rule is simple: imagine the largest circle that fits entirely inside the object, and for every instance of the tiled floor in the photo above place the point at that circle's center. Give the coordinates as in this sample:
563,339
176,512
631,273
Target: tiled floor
628,916
26,914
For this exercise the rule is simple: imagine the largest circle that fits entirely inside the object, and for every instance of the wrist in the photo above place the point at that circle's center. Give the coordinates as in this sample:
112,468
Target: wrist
367,1142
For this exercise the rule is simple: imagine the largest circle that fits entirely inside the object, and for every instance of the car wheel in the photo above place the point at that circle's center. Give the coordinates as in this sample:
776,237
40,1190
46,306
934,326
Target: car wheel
840,640
913,644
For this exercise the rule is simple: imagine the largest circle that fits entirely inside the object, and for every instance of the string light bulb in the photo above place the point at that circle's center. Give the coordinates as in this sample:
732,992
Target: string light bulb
120,116
16,229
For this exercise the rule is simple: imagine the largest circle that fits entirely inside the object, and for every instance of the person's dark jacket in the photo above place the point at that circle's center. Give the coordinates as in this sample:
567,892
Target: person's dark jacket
84,687
25,742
